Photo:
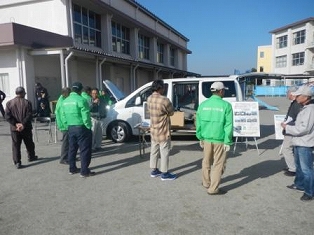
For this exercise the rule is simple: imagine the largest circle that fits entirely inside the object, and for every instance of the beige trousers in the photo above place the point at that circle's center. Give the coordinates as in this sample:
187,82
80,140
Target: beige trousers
213,165
287,152
161,150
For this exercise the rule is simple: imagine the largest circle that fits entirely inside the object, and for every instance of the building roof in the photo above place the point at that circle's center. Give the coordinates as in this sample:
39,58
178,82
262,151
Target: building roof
159,20
17,34
292,25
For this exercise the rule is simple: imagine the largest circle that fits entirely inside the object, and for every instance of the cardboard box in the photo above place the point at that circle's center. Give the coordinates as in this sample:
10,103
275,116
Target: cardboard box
177,120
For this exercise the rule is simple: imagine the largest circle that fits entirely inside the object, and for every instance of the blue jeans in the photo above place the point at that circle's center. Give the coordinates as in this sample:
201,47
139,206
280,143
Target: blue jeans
304,178
80,137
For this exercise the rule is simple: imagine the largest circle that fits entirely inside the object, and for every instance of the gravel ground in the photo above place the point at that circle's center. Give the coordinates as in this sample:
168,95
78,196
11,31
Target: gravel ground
42,199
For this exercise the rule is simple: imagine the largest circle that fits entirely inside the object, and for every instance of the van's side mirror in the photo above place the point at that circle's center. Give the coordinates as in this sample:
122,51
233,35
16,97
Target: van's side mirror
138,101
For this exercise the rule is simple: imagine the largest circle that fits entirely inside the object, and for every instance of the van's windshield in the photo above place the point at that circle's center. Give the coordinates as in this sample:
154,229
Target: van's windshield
231,92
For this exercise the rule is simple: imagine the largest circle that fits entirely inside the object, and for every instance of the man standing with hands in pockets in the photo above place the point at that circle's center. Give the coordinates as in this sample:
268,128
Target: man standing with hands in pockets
214,128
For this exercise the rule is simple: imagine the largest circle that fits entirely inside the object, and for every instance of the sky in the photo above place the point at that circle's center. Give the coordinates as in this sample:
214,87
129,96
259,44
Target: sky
224,34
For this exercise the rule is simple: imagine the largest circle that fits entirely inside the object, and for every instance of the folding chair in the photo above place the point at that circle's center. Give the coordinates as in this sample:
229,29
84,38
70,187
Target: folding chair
43,124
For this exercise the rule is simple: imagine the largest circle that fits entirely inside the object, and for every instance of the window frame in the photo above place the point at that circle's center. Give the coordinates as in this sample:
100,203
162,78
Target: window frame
5,83
120,38
281,61
87,26
299,37
261,54
160,53
143,47
298,59
172,56
282,42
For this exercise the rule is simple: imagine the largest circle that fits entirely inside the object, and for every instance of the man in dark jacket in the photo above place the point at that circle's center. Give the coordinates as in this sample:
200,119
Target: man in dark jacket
18,113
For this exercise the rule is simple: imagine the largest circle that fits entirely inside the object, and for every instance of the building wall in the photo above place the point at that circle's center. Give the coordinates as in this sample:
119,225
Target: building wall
291,49
45,15
264,62
53,16
8,67
147,21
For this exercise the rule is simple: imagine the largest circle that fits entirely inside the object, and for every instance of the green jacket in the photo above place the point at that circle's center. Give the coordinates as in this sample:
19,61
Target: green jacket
106,99
60,123
75,110
87,97
214,121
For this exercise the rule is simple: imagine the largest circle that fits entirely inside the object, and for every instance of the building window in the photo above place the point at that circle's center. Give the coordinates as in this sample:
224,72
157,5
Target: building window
282,41
261,69
5,83
299,37
143,47
298,59
160,52
261,54
281,61
87,29
172,56
120,38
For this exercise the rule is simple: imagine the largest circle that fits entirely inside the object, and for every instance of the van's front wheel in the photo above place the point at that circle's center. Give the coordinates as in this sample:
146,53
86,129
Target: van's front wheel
119,132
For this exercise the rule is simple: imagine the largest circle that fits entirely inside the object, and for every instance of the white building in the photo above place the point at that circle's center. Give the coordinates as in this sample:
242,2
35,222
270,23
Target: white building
293,48
57,42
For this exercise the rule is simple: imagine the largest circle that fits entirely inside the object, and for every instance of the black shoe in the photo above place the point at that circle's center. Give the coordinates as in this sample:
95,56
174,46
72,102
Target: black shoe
64,162
285,169
92,173
289,173
18,165
35,158
220,192
77,170
306,197
96,150
292,186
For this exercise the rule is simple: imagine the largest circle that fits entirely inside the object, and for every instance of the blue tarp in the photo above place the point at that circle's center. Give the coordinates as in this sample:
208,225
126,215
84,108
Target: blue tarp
270,90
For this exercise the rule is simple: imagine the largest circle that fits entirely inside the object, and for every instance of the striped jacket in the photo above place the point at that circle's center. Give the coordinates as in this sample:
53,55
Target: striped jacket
160,109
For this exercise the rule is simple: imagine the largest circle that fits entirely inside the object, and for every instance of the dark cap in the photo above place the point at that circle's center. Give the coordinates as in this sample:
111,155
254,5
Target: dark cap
20,90
77,85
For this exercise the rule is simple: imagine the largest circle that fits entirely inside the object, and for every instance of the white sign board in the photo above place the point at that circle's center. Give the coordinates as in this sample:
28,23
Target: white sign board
246,119
278,119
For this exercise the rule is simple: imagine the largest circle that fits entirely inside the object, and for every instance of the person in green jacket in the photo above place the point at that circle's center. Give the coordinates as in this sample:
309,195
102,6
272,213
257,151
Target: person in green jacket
62,126
76,115
86,94
214,129
104,94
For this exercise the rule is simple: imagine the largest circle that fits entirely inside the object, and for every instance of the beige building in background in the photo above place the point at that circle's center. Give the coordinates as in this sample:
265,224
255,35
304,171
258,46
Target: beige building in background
264,59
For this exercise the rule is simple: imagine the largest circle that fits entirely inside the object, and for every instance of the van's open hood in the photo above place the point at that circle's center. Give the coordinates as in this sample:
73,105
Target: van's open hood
114,91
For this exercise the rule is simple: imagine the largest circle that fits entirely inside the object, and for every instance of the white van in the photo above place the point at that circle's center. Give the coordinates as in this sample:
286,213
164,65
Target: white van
185,94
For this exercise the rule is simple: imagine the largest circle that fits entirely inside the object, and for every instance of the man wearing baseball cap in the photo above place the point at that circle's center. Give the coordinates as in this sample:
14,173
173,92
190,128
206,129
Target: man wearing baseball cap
76,116
303,142
214,128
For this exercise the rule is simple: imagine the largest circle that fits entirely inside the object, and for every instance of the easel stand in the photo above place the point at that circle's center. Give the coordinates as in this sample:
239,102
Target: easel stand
246,144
